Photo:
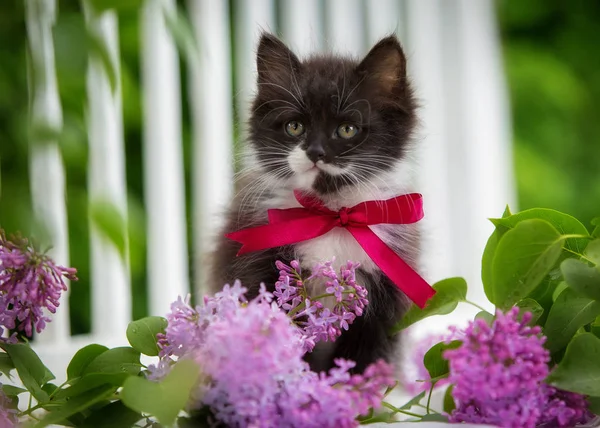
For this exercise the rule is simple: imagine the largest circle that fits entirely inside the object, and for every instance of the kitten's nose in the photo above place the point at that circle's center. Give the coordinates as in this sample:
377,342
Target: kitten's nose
315,152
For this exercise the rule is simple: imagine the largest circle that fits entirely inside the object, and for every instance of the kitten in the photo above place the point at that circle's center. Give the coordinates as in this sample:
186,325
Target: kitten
341,130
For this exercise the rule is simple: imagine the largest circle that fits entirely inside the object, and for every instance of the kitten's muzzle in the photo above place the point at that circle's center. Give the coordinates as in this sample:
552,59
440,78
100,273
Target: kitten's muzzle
316,151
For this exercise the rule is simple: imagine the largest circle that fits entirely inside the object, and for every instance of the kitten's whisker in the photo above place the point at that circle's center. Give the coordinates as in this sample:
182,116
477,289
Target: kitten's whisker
299,104
353,89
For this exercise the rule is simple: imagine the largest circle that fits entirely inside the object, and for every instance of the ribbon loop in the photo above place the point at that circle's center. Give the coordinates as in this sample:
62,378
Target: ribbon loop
314,219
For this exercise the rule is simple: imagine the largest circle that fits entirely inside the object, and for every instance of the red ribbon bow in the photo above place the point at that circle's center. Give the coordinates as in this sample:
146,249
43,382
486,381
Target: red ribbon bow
293,225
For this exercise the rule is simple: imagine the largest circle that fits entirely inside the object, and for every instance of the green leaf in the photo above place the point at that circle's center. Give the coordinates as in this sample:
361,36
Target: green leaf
83,358
596,231
543,293
486,316
579,370
91,381
6,364
141,334
434,361
413,401
76,405
113,415
592,252
581,278
49,388
490,251
559,289
594,405
164,399
595,327
116,360
563,223
118,5
523,258
107,218
570,312
449,404
32,372
449,292
530,305
12,390
434,417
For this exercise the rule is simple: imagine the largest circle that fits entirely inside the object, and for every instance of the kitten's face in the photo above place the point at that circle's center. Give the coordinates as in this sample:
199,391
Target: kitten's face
328,122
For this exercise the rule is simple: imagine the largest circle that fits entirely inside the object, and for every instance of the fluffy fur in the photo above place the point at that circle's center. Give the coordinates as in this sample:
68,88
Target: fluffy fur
322,94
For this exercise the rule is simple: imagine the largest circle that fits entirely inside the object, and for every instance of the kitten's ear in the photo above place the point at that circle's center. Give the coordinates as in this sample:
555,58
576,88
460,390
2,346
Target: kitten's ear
385,66
275,62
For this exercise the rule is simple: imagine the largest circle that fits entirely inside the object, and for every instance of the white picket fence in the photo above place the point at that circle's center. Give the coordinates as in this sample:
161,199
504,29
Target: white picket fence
464,173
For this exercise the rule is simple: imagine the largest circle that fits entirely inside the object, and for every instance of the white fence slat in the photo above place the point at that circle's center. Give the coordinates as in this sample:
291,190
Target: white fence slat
210,97
302,25
485,128
164,192
251,18
111,291
46,169
383,19
345,27
426,69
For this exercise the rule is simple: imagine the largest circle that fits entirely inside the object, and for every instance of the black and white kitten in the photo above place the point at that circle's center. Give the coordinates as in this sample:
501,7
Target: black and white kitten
340,129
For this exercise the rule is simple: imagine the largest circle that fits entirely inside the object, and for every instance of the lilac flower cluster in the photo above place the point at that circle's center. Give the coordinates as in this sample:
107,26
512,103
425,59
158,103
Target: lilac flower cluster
30,282
8,413
317,321
564,409
498,375
251,354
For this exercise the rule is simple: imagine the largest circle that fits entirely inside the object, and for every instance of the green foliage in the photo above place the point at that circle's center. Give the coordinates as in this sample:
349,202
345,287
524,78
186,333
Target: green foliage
570,312
32,372
523,257
554,88
142,334
579,370
109,221
434,360
531,306
82,359
582,278
113,415
163,399
449,292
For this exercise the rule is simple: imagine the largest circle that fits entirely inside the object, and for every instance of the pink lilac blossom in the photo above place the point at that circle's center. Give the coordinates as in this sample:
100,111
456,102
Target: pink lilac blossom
30,282
498,376
8,414
317,322
251,358
564,409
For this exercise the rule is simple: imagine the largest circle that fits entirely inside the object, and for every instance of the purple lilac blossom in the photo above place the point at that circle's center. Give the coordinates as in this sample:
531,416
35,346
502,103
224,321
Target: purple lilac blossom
8,415
320,323
251,359
564,409
498,376
30,282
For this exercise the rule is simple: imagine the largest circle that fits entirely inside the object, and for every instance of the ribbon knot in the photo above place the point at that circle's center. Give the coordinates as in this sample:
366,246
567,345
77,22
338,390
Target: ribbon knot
343,214
314,219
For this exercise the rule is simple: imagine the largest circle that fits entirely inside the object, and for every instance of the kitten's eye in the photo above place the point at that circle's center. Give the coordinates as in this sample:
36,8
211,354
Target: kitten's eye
347,131
294,128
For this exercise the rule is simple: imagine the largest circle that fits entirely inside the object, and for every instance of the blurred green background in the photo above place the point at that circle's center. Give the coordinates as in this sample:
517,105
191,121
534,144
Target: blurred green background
552,68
